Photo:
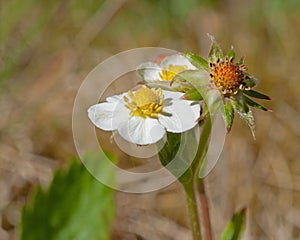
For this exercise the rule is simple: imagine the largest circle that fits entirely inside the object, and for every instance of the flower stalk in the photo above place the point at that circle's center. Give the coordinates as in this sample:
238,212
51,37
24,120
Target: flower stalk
193,212
195,190
199,182
204,208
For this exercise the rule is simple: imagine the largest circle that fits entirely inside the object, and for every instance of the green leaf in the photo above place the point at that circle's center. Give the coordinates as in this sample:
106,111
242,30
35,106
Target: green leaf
197,61
76,206
236,227
255,94
178,154
228,115
240,105
215,52
254,104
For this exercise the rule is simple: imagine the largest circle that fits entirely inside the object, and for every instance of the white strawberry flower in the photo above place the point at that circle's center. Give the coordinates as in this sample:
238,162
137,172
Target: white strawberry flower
143,116
161,74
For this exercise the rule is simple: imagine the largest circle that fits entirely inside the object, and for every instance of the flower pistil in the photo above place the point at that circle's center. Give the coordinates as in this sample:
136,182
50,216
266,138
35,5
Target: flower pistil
228,76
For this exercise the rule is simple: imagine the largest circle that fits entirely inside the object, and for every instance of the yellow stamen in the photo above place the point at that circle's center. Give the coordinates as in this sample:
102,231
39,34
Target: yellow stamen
145,102
171,72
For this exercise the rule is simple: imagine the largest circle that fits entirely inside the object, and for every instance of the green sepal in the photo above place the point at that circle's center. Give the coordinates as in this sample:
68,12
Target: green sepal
193,95
197,61
250,81
236,227
170,149
215,52
165,85
231,54
228,114
251,103
256,94
198,79
241,107
241,61
204,114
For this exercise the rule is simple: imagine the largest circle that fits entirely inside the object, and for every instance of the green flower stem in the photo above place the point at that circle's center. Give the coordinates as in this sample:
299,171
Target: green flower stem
196,187
193,185
192,210
199,182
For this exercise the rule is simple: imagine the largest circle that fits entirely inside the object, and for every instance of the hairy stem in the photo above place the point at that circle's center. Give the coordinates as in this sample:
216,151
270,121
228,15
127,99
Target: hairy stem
193,210
206,224
199,182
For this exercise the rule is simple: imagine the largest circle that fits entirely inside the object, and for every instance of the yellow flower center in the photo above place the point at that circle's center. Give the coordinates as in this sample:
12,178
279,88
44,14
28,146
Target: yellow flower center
145,102
227,76
171,72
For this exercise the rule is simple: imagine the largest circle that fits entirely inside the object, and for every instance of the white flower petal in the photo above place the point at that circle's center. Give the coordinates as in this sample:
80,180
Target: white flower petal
149,71
141,131
183,116
116,98
176,60
196,109
172,94
107,115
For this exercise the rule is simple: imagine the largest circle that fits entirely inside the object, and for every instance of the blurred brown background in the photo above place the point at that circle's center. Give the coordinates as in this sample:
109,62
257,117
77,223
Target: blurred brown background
47,49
